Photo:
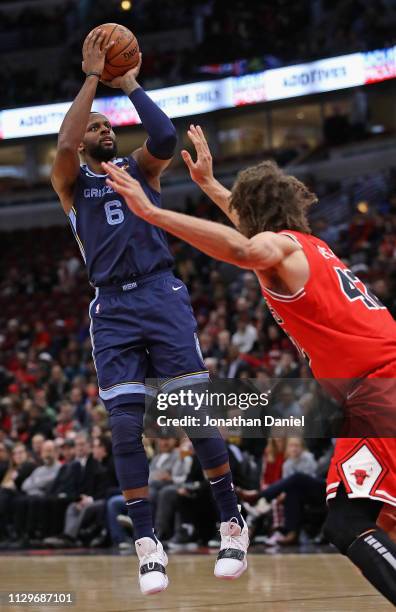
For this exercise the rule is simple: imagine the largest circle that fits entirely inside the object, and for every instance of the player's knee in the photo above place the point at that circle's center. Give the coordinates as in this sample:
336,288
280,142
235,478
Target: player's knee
342,526
129,455
338,530
348,518
211,452
126,431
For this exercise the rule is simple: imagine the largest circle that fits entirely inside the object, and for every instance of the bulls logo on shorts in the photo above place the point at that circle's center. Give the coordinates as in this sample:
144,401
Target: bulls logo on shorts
361,471
360,476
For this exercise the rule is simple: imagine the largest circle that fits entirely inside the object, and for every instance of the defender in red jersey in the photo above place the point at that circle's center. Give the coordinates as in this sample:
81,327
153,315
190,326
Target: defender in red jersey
347,335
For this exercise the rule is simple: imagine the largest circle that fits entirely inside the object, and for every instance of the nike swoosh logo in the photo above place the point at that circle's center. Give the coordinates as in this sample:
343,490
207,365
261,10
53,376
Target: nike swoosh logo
213,482
177,288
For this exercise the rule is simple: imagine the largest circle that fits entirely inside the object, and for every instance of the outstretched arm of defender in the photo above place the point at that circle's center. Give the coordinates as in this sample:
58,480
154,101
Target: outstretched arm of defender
201,172
66,165
261,252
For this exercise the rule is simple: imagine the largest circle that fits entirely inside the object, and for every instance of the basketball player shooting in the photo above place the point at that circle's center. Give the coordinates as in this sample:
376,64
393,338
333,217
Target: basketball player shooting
141,318
346,333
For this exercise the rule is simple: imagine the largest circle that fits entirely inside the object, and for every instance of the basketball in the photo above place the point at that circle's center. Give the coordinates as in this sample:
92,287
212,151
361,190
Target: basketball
123,55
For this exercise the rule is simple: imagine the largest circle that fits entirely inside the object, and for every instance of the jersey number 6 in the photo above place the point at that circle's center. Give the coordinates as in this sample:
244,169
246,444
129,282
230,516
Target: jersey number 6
114,212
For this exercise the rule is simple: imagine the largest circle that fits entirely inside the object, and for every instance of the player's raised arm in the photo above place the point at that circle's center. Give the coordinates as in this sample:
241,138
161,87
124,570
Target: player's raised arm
263,251
157,152
201,172
66,165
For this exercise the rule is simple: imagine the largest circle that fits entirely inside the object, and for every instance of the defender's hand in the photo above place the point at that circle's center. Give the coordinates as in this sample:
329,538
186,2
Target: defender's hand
131,190
127,82
94,51
201,171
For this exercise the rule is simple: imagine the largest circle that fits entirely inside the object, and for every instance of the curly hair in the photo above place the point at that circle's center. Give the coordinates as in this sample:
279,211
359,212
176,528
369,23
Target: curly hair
267,199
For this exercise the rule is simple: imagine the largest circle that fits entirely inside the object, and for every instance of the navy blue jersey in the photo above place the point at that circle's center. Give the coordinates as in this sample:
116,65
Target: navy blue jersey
116,244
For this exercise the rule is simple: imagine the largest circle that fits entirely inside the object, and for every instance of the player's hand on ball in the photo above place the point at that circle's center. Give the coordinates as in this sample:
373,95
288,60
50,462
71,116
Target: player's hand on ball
127,82
94,52
131,190
201,171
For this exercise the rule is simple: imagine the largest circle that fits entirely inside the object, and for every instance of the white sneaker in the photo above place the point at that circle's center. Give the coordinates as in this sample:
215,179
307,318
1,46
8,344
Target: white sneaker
262,507
153,561
272,540
231,561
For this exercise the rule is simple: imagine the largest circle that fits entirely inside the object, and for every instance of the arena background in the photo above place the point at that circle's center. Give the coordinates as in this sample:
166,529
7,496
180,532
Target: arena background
310,84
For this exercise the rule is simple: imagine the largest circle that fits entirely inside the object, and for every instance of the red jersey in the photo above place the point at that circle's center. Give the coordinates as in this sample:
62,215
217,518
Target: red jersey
335,321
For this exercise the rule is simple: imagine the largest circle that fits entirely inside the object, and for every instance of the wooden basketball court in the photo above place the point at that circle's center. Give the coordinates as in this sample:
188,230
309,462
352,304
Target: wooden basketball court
273,583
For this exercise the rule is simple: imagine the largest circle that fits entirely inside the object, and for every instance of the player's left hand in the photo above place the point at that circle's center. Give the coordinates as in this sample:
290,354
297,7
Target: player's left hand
127,82
130,189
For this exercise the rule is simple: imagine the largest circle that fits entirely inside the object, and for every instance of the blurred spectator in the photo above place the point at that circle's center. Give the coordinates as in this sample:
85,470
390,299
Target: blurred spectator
42,476
37,444
195,511
119,535
19,469
90,484
245,336
287,405
287,367
91,525
66,420
299,486
68,451
57,384
161,468
168,495
298,459
27,516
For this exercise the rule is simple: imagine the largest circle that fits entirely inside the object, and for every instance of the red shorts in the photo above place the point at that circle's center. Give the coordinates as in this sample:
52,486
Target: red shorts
367,466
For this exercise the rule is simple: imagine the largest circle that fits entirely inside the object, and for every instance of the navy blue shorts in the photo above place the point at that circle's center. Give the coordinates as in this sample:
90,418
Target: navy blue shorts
144,330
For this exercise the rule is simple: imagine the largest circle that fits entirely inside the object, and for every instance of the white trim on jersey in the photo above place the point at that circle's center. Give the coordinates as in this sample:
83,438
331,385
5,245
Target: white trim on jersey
72,217
385,494
126,389
377,495
90,173
331,496
292,237
284,298
73,222
91,328
185,379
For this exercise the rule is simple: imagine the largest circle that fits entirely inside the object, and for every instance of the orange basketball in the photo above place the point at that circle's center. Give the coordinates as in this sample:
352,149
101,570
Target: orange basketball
123,55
